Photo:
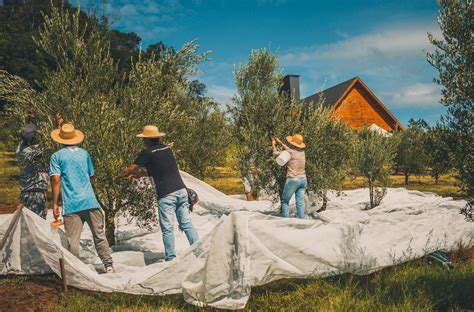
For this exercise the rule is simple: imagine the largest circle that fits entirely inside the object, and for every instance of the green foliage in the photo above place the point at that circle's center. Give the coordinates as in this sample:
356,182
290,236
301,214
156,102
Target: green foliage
260,113
411,156
454,60
329,147
438,149
373,159
88,91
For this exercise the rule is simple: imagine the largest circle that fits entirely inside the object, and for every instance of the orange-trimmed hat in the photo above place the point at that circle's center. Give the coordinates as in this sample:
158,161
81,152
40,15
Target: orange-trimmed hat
151,132
67,135
296,140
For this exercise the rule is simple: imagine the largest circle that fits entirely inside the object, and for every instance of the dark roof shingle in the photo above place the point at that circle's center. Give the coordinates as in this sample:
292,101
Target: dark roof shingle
330,95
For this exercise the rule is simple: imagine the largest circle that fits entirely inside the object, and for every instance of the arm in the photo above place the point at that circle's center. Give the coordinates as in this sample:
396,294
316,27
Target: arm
282,144
132,172
55,187
58,120
275,151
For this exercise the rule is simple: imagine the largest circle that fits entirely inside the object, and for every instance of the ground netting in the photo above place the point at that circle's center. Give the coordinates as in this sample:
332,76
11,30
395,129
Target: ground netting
244,244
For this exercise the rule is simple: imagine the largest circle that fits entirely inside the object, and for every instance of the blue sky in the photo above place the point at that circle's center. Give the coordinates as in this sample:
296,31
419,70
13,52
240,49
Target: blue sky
325,42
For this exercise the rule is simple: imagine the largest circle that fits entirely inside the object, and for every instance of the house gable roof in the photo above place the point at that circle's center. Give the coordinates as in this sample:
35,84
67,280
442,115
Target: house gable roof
333,96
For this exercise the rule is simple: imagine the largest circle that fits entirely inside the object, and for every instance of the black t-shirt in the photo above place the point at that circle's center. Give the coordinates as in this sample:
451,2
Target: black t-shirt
161,165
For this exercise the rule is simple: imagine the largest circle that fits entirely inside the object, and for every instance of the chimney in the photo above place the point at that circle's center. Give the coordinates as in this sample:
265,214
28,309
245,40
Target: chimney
291,85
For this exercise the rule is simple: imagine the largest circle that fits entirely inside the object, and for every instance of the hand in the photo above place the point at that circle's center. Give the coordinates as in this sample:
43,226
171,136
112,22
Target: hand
133,176
59,120
56,211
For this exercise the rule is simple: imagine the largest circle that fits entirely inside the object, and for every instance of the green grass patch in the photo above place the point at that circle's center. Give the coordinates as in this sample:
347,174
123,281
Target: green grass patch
416,286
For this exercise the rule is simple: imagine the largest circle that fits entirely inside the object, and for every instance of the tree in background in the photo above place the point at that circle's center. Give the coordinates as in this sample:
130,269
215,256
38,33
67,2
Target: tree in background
87,90
373,159
438,150
411,156
454,60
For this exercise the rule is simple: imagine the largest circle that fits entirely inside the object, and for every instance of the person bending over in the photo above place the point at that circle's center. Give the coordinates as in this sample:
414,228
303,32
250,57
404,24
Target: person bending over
172,196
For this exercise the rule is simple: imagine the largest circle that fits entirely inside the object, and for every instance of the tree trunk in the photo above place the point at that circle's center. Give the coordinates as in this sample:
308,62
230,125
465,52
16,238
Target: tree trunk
406,178
436,179
371,192
110,227
325,201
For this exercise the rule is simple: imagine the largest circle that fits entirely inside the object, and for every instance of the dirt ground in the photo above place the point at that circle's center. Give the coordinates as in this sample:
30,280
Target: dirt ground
32,293
5,209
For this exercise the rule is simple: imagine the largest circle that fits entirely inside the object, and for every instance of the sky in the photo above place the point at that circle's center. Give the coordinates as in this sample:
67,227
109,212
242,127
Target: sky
325,42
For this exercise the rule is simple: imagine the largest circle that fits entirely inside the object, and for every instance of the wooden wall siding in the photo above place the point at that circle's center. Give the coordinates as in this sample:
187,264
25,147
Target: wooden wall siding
359,110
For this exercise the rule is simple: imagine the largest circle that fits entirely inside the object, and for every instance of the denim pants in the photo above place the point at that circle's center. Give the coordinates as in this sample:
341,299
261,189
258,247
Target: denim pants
295,186
175,203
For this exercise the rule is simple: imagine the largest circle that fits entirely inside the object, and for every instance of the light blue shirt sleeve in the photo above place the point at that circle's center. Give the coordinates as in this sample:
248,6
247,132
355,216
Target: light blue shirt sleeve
90,165
54,167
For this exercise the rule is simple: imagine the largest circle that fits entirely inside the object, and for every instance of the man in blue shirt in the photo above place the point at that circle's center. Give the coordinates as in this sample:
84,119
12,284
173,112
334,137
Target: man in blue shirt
71,168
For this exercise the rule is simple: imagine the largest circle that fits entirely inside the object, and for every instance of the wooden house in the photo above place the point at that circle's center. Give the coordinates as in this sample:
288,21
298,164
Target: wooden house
352,101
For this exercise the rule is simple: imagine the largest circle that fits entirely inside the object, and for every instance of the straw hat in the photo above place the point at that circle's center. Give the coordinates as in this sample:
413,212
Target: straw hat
151,132
67,135
296,140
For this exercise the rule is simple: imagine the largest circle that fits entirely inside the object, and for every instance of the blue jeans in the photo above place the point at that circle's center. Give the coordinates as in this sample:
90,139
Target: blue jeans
293,186
175,203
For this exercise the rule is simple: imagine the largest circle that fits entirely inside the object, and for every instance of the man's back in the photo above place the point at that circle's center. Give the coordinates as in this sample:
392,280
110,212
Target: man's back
74,166
161,165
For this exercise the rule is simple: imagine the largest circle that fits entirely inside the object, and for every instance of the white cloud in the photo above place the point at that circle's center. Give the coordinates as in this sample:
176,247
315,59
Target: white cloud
388,43
419,94
221,94
151,20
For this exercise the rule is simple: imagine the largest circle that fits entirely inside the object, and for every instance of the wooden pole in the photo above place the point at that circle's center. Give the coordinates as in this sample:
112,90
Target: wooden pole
63,274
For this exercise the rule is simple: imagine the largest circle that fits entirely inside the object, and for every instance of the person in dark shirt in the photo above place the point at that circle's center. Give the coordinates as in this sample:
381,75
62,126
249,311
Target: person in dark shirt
172,196
34,179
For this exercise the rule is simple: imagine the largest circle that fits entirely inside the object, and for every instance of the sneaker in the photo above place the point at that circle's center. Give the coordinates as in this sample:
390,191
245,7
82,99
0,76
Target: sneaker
109,269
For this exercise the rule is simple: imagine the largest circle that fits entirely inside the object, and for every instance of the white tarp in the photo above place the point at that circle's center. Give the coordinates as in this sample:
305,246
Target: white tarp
244,245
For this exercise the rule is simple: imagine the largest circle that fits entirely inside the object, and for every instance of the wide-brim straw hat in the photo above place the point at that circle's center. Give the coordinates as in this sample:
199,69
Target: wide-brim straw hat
296,140
151,132
67,135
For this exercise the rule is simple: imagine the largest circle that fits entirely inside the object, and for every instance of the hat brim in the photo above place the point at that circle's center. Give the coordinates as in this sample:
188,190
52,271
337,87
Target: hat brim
290,140
73,141
141,135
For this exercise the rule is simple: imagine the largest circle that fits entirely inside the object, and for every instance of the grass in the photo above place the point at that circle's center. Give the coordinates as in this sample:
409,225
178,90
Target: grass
416,286
9,186
228,181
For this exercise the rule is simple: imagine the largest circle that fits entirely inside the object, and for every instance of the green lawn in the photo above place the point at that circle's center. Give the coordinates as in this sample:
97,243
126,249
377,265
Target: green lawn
420,285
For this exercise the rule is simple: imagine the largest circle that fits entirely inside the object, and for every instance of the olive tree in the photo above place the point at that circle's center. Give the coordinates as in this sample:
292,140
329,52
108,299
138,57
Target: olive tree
453,58
260,112
373,160
329,148
89,91
438,151
411,157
